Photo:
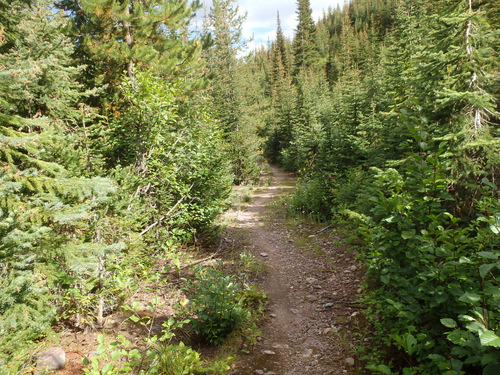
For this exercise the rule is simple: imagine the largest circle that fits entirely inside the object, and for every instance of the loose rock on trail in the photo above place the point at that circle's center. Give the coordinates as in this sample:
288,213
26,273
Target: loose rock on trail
312,280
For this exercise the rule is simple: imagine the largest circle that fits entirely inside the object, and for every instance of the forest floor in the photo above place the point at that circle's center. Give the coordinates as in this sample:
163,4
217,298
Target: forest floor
313,323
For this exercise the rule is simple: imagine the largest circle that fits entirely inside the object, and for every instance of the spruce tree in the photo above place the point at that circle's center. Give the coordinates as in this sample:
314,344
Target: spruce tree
305,43
10,16
463,64
44,201
224,23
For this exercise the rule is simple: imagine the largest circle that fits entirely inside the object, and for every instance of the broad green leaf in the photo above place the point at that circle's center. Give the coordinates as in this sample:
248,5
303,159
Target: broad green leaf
449,323
489,338
381,369
407,234
492,369
475,327
470,297
495,226
107,368
115,355
488,255
457,337
411,342
484,269
494,187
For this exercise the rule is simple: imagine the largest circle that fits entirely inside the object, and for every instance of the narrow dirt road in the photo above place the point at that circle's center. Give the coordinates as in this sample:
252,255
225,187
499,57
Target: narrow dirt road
312,281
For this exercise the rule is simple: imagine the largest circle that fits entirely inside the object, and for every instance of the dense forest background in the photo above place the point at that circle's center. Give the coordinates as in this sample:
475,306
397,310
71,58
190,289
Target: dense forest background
123,129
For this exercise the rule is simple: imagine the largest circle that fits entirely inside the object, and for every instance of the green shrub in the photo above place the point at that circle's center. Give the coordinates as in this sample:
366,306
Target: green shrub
434,277
215,305
312,197
160,357
182,360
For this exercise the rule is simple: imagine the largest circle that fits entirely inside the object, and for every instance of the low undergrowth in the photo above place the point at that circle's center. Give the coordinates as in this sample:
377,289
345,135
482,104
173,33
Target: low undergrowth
217,314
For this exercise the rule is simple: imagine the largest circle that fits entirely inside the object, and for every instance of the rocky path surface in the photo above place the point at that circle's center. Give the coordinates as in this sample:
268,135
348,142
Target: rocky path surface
312,281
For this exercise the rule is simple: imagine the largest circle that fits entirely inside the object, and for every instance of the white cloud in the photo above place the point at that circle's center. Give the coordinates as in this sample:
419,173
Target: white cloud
261,17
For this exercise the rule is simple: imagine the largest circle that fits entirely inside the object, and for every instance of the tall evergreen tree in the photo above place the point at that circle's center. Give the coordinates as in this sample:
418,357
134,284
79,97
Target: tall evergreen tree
10,16
224,23
43,198
305,43
117,35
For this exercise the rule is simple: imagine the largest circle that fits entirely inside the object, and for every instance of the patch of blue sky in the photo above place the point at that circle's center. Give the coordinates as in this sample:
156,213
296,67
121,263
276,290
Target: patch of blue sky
260,25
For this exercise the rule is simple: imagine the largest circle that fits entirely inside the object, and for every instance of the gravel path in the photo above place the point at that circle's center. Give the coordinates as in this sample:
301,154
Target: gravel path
312,281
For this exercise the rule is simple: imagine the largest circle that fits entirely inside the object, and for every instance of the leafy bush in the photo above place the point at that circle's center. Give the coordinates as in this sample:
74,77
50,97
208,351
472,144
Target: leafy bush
434,277
161,356
180,359
174,146
312,197
215,304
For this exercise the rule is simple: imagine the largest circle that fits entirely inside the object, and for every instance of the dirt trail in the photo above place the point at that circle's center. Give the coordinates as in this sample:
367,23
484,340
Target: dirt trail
312,281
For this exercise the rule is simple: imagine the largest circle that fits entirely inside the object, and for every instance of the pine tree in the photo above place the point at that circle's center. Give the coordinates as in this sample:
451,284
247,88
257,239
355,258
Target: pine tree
10,16
117,35
305,43
462,65
281,46
225,26
42,198
224,23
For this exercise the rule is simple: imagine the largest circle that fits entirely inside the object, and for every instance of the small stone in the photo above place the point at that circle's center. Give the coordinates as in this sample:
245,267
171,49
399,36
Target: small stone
307,353
259,372
311,298
327,331
329,304
272,315
295,311
264,255
311,280
359,290
270,373
268,352
52,359
350,361
311,236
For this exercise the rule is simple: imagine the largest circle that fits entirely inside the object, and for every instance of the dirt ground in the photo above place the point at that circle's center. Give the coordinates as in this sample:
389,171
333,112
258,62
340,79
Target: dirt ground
312,323
312,280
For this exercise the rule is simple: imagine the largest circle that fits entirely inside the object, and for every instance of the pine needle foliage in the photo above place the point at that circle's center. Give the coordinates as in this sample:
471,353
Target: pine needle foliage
44,206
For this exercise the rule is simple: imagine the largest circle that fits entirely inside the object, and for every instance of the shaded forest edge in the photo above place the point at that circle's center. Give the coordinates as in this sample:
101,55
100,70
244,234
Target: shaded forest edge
123,131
